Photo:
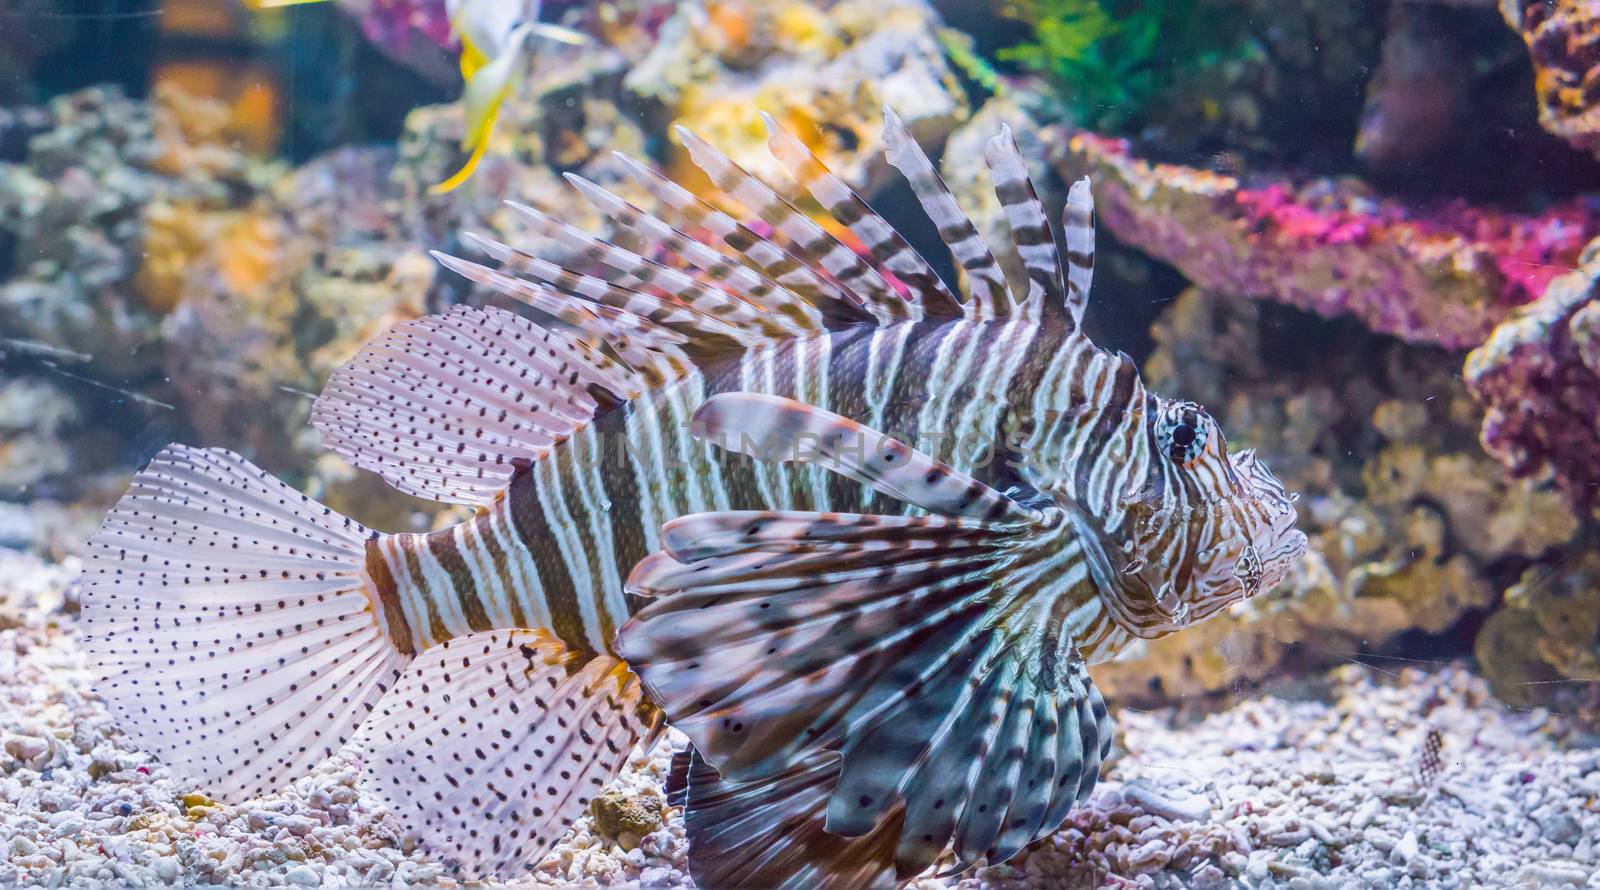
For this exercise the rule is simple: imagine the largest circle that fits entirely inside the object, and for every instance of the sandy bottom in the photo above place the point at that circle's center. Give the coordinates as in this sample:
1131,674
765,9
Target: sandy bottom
1324,788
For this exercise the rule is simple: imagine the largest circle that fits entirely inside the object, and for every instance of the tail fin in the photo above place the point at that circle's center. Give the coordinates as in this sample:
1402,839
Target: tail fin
230,623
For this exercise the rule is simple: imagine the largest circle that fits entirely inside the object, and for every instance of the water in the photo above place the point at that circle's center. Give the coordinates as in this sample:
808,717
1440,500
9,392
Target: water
1356,233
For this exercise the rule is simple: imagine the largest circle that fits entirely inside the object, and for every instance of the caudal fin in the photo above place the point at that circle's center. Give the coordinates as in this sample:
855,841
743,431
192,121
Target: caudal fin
229,622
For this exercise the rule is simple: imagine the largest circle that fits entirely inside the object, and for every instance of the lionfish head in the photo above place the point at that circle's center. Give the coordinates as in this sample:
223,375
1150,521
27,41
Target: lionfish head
1209,528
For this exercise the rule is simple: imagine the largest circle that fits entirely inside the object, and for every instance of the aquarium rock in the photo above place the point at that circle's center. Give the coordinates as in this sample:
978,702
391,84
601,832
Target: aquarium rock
627,818
1563,37
1543,647
1443,276
1410,523
1538,377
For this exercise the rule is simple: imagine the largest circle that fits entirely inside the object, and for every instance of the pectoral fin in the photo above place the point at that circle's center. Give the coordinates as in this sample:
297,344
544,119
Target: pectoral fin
926,651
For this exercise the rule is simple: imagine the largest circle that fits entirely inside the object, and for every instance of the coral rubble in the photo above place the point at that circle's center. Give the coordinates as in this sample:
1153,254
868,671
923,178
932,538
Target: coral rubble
1272,789
1538,376
1563,38
1444,276
1544,646
825,71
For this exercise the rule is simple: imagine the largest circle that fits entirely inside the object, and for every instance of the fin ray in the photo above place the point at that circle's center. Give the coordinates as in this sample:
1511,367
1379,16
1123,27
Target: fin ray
494,742
989,294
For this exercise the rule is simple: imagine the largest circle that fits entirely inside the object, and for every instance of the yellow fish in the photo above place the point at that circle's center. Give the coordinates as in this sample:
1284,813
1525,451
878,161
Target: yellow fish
493,36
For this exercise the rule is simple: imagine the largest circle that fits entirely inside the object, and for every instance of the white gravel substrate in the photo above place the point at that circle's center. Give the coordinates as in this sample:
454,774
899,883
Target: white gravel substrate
1271,792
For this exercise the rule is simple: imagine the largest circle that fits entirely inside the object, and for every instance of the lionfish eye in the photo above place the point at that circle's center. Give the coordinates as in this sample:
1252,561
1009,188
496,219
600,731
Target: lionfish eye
1183,431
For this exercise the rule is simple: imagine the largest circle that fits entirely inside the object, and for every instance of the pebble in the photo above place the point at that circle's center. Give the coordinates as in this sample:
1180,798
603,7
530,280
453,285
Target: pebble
1561,828
1363,816
1406,849
304,875
1181,807
27,749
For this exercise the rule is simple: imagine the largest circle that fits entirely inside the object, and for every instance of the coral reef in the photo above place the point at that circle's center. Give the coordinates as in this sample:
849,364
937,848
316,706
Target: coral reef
1538,377
1443,275
412,32
76,211
279,294
1411,526
1563,38
824,70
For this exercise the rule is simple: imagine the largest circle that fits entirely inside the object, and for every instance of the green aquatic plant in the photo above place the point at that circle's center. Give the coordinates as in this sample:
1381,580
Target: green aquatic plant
958,48
1108,59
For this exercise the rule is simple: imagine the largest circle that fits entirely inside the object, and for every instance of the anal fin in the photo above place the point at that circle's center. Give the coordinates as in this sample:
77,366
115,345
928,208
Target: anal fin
493,743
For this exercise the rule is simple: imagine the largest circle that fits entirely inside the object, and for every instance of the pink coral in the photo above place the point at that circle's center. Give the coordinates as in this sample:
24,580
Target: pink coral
1443,275
1538,377
393,24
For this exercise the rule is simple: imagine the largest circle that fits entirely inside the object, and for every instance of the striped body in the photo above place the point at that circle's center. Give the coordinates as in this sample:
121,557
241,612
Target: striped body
568,528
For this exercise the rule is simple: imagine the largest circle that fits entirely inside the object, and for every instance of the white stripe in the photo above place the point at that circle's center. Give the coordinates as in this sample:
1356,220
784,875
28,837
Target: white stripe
413,599
591,490
527,586
646,419
480,565
441,592
811,387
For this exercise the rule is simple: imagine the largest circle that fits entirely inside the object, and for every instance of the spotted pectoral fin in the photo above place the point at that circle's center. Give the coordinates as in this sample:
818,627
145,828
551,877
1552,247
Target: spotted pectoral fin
926,651
769,832
493,743
446,406
774,428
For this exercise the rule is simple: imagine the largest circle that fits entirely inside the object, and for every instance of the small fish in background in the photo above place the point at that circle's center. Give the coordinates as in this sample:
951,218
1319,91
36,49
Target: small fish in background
494,36
1417,98
1429,761
879,644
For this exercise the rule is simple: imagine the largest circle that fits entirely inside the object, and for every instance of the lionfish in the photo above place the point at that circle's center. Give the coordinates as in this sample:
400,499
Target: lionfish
856,532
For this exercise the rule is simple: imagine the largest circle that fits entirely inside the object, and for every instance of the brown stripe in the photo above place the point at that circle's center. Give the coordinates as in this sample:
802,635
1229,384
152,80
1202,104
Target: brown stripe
556,585
443,546
1125,375
387,600
406,545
